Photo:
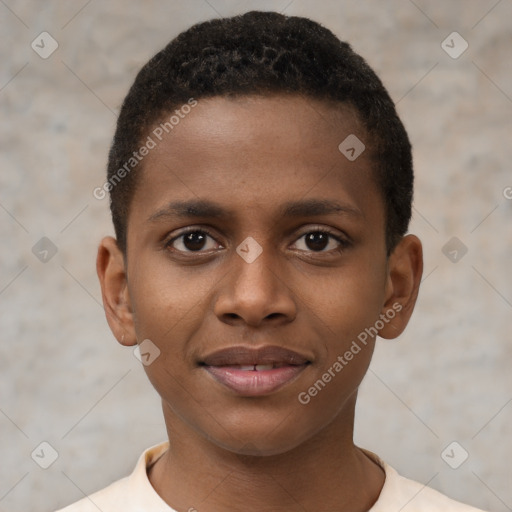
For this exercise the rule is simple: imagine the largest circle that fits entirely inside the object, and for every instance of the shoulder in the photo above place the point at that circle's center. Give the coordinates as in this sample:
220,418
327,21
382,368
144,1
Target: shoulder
417,497
400,493
112,496
133,493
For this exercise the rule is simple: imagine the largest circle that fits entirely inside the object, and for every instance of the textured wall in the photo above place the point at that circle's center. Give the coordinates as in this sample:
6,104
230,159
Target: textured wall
66,381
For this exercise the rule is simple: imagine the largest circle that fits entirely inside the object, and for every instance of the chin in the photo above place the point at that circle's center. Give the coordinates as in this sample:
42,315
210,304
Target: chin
262,439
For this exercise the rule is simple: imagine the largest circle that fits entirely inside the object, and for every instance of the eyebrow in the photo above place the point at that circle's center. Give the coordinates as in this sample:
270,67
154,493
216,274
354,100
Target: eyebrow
194,208
201,208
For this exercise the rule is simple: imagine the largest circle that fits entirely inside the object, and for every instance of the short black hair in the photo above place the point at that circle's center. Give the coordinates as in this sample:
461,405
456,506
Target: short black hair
262,53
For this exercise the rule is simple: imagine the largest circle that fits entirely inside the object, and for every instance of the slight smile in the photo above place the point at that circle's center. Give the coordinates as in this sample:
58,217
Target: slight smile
254,372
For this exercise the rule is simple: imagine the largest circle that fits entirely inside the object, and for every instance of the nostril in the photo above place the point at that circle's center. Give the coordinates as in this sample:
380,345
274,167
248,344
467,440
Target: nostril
273,315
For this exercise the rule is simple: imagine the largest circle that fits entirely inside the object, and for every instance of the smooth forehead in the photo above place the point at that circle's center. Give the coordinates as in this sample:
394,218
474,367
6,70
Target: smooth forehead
258,151
287,116
260,133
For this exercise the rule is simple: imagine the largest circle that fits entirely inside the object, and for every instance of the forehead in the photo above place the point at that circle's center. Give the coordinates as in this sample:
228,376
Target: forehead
300,125
258,151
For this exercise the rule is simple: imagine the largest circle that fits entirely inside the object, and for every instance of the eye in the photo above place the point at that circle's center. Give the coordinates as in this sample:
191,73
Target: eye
321,240
192,240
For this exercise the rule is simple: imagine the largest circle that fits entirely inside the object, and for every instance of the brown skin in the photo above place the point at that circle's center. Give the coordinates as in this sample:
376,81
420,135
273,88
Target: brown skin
250,155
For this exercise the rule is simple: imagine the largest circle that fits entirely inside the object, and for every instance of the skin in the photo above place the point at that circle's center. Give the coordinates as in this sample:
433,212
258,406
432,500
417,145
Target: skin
250,155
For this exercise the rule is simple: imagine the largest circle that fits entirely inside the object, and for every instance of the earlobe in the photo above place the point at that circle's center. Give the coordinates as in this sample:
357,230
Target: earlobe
405,268
110,266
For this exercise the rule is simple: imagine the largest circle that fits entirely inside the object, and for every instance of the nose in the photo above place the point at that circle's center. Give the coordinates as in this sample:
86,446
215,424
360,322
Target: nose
255,293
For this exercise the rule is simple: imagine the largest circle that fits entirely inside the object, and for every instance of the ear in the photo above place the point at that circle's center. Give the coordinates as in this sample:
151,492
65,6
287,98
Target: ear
110,266
405,268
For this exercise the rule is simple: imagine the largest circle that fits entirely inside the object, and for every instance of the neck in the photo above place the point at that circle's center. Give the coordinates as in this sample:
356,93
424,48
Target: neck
327,469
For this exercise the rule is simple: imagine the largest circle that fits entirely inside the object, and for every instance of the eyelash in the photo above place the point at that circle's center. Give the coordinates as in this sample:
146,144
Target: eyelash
167,244
343,242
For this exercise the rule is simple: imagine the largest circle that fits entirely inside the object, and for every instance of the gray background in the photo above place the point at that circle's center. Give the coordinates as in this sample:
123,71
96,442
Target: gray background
66,381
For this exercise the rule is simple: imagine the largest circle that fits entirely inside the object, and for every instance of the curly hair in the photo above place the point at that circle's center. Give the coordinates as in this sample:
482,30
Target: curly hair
263,53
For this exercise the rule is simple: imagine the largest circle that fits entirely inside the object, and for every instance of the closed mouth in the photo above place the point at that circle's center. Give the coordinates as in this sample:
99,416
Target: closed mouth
251,372
249,358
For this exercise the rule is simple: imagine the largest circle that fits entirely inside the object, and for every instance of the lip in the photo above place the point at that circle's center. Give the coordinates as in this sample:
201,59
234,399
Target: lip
240,355
225,367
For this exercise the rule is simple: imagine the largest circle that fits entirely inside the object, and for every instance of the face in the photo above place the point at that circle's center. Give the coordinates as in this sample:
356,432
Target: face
256,264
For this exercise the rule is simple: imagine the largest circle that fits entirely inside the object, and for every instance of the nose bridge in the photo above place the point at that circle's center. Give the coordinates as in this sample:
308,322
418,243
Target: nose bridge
255,269
254,288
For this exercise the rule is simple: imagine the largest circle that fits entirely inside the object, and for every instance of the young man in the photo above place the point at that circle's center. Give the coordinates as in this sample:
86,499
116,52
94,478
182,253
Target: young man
261,187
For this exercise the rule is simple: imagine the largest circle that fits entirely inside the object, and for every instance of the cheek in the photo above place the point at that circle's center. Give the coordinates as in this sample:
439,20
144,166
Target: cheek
345,308
348,301
164,300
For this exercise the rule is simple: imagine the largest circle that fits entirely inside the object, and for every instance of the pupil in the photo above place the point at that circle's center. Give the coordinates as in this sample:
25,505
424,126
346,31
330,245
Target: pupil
194,241
317,241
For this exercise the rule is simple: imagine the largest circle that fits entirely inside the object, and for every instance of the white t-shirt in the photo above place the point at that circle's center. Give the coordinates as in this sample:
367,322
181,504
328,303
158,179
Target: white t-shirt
135,493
